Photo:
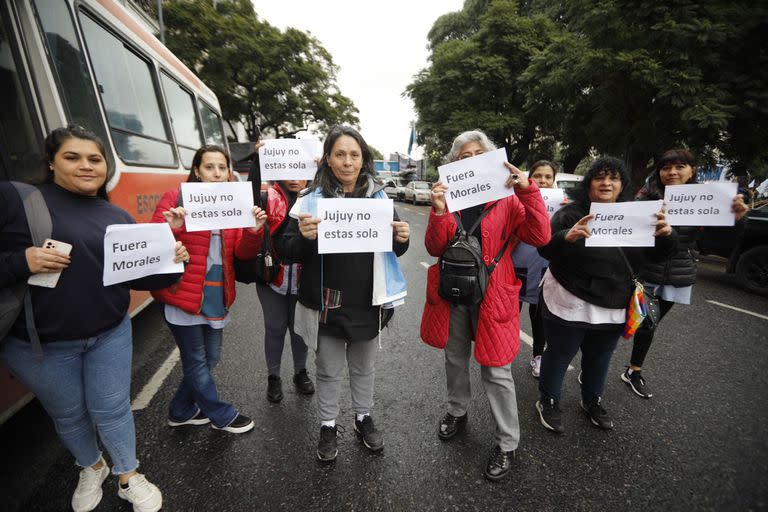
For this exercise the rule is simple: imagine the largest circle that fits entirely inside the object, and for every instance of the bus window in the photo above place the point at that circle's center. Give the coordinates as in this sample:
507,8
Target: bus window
211,126
181,106
20,157
70,68
130,100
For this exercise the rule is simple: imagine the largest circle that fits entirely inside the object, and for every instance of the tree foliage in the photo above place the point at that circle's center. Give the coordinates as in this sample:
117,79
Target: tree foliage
626,77
269,80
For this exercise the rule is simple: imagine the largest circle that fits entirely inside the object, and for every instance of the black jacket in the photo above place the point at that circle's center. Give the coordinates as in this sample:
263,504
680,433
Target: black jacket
343,282
597,275
679,269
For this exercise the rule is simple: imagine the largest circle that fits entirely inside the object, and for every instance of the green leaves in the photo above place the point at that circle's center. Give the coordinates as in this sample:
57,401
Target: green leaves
265,78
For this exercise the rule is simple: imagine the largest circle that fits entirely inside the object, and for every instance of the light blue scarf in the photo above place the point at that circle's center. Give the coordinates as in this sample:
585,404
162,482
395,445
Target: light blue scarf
389,286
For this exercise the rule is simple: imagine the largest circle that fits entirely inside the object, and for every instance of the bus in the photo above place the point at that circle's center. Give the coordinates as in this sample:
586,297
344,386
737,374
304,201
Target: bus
94,64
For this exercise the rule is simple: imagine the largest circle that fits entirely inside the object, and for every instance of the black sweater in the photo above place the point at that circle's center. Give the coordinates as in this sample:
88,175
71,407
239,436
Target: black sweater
355,319
597,275
80,306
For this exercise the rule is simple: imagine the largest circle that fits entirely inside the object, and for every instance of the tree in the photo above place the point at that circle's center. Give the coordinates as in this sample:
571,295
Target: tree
477,55
377,155
273,81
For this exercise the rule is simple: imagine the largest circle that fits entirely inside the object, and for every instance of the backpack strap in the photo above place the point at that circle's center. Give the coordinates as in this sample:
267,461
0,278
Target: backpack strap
496,260
477,222
40,228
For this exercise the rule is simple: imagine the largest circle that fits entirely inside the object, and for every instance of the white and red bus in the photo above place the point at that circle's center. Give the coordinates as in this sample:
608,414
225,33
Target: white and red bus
92,63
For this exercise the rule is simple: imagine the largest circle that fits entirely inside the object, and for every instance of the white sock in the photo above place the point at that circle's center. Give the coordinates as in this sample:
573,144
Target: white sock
328,423
361,416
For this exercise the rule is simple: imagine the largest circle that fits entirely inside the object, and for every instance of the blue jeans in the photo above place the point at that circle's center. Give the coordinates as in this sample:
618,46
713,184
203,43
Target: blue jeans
563,342
200,348
84,386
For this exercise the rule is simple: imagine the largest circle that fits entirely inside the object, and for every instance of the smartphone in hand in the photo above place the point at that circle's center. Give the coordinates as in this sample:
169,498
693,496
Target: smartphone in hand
49,280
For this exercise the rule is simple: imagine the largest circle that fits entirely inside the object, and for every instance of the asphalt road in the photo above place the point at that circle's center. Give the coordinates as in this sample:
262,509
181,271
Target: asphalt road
700,443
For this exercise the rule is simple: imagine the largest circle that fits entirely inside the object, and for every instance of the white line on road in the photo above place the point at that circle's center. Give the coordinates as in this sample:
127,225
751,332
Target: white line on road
152,387
758,315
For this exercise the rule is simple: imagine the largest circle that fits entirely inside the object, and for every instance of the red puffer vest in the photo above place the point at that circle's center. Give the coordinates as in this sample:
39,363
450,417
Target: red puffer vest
497,340
187,294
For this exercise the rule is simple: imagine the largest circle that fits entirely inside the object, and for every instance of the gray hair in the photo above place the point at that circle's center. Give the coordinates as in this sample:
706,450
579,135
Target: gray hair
466,138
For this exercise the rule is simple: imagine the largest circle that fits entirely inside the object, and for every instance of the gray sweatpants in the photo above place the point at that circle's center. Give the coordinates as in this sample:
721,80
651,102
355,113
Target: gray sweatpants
278,317
497,380
332,354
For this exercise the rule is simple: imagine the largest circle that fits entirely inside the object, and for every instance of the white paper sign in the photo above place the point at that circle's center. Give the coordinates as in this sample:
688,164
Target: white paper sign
628,224
553,199
132,251
701,205
354,225
218,205
288,159
475,180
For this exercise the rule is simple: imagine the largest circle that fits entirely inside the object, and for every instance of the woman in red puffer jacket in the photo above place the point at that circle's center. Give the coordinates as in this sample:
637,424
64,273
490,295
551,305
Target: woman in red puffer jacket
197,307
494,323
278,298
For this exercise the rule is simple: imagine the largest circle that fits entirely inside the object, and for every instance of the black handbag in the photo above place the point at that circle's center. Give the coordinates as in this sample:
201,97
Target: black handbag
653,317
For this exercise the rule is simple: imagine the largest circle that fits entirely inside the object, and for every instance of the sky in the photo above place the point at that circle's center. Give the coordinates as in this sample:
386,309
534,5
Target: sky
378,46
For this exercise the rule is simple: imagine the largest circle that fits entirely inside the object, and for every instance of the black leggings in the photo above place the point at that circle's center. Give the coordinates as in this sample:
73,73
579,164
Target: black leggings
644,337
537,326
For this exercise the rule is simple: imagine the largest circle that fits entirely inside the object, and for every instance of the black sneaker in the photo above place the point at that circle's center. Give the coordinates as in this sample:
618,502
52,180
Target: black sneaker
636,381
197,419
597,414
550,415
451,425
327,447
239,425
499,464
371,438
303,383
274,388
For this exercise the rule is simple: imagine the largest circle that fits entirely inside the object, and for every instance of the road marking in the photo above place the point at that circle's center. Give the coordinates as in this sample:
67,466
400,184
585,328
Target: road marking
758,315
153,386
424,264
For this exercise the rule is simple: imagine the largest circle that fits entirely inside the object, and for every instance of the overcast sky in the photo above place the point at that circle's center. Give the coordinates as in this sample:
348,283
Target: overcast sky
378,46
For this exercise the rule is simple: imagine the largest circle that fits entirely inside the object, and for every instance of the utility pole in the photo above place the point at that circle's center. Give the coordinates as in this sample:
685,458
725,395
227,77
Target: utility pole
160,20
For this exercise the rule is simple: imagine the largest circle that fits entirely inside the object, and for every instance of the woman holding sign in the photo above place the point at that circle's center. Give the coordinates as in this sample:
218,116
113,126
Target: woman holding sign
670,280
345,299
586,291
197,307
530,268
494,322
80,369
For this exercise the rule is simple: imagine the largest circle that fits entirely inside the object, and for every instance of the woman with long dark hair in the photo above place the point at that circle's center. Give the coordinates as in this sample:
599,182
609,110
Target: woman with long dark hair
81,372
339,311
197,307
672,279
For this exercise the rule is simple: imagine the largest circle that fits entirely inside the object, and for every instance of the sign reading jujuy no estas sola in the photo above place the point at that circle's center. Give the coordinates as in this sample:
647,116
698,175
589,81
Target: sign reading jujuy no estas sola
627,224
354,225
475,180
700,205
218,205
553,199
288,159
132,251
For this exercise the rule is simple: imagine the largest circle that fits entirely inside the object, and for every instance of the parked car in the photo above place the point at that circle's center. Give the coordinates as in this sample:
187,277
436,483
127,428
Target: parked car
417,192
394,188
566,181
744,245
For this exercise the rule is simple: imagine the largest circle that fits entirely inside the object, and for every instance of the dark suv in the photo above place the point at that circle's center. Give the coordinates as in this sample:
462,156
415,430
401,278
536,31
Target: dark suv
744,245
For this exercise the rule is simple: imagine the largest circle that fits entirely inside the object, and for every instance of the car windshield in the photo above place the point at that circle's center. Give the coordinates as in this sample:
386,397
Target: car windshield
421,186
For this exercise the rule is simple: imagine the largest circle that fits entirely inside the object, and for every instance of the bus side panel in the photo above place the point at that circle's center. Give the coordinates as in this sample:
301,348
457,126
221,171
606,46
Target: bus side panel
138,193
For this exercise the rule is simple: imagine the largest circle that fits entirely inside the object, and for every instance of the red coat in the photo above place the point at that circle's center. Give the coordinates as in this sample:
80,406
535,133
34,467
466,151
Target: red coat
497,341
187,294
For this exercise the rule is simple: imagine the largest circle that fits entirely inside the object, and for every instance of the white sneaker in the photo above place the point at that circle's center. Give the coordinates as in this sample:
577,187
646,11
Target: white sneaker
536,366
144,495
88,492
